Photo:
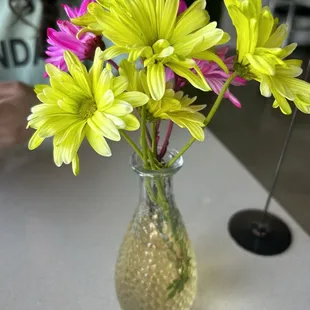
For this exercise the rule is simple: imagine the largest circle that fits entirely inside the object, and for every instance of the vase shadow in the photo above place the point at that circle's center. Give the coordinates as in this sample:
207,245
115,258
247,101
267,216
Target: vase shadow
216,278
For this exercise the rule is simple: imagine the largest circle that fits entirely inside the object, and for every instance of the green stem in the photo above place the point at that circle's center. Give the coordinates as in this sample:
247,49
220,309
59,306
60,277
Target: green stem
154,147
131,143
151,159
208,118
143,136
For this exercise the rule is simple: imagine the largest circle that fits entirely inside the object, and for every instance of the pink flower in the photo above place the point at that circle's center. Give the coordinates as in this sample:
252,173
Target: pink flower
214,75
182,6
66,39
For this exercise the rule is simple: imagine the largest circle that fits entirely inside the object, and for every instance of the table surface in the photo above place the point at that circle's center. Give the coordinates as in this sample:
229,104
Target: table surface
59,234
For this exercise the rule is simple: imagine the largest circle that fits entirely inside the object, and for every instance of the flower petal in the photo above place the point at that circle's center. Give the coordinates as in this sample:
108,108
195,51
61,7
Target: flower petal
135,98
119,108
188,74
119,85
35,141
76,165
113,52
98,143
71,141
106,100
78,72
106,126
132,123
156,80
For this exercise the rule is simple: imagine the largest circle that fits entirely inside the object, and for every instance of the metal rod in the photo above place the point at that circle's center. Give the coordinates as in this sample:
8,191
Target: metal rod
290,20
284,149
280,162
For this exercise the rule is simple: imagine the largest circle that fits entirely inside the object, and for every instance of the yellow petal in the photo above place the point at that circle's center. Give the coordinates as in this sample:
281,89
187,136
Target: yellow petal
278,37
106,126
96,69
225,39
303,106
281,88
106,100
76,165
168,19
119,108
98,143
132,122
113,52
156,80
194,79
261,64
104,84
35,141
253,34
135,98
266,23
119,85
71,141
201,40
282,103
54,125
194,18
264,87
84,20
78,72
241,24
118,122
57,153
210,56
196,131
39,88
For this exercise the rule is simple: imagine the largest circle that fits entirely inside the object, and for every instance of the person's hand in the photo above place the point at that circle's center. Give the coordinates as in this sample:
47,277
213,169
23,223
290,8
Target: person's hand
16,100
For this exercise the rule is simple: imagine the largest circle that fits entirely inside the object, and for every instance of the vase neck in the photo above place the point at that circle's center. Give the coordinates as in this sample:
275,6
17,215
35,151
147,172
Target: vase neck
159,186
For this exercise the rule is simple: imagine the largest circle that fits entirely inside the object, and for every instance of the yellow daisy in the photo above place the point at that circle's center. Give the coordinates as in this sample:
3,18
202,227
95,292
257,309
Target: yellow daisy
285,86
174,106
81,104
262,57
152,30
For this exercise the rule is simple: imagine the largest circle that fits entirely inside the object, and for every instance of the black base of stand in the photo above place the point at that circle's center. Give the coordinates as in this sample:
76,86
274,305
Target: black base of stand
271,237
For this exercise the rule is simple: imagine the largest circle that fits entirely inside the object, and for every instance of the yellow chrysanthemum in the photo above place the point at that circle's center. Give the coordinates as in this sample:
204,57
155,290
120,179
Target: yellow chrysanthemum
262,57
173,106
285,86
94,104
259,40
152,30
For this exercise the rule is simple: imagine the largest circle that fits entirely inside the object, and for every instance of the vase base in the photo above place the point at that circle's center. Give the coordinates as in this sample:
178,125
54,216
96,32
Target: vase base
269,237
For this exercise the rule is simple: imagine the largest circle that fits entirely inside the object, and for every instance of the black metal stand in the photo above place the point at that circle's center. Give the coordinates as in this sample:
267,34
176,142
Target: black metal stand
259,231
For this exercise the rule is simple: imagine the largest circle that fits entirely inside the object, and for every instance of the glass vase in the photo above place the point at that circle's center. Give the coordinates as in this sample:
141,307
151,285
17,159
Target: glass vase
156,265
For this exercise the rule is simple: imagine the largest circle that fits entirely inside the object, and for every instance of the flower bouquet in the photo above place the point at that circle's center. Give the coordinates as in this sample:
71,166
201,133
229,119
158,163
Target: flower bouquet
164,45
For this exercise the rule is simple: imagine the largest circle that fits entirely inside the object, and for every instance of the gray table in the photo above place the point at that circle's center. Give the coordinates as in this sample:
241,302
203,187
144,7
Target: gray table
59,235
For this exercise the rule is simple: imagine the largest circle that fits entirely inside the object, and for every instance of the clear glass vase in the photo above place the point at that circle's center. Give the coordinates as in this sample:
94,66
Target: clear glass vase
156,265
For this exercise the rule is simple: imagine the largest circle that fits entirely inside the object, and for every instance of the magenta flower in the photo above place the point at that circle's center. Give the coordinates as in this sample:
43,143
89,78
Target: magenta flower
214,75
66,39
182,6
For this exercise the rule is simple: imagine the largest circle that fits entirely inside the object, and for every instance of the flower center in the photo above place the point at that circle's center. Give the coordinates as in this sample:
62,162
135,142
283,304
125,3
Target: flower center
161,52
87,109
